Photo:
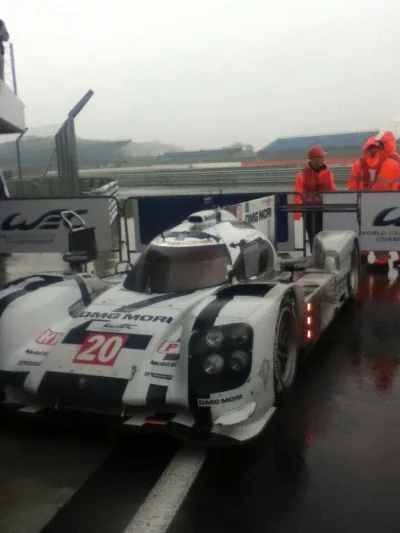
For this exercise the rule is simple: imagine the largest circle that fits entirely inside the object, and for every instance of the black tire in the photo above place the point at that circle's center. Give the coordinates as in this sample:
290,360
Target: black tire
286,344
353,278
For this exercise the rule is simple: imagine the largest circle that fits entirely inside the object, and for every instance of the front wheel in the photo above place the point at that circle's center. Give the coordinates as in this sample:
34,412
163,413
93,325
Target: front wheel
285,350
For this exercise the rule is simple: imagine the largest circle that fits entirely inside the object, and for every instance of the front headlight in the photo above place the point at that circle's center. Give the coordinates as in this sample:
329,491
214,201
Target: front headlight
238,360
213,364
214,339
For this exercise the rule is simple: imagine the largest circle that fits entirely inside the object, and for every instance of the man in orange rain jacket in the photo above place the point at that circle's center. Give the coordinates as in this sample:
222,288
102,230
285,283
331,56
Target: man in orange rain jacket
387,179
315,178
363,173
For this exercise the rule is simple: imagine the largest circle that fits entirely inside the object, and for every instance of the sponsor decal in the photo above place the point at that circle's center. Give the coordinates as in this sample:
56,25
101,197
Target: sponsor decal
120,327
35,352
29,363
256,216
49,338
158,376
50,220
127,316
169,347
220,401
82,256
100,349
170,364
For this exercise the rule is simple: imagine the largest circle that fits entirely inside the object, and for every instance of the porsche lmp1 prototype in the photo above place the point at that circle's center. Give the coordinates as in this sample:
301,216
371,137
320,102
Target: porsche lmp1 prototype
201,335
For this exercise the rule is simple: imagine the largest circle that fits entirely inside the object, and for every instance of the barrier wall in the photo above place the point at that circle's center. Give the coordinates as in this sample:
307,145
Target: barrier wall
374,216
32,226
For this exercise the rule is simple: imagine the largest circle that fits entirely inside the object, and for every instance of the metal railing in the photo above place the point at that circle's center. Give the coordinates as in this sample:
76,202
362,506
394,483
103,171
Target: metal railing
50,187
252,177
110,189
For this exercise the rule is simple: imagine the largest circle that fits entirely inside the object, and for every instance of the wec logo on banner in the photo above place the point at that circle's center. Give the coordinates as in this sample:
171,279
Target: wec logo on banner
50,221
380,221
383,218
36,225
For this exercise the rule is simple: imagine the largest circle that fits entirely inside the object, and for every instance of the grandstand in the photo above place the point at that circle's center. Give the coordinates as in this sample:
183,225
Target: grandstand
341,148
340,145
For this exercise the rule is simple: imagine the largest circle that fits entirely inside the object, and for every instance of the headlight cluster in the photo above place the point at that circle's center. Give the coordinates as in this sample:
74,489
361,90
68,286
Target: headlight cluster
214,363
220,357
238,360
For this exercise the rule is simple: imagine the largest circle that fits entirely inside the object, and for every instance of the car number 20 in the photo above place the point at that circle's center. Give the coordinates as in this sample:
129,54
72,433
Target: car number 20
100,349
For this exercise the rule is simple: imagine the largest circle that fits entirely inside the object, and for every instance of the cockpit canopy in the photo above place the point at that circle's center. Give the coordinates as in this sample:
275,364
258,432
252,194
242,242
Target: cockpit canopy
174,268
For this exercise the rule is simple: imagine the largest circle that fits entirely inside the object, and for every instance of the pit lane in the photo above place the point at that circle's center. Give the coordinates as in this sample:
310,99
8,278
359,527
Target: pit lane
329,462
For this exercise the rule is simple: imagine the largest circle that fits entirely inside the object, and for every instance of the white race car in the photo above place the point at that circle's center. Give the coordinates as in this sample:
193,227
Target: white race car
201,336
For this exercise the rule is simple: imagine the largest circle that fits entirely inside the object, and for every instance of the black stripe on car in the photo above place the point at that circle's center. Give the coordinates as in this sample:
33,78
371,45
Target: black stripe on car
7,300
78,334
206,318
30,287
44,281
147,302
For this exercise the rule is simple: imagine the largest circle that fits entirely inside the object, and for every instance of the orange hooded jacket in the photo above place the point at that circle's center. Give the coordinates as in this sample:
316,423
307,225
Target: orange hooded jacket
388,176
363,172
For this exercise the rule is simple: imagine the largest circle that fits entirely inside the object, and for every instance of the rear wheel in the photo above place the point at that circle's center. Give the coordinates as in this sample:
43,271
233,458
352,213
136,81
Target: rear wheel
285,350
354,273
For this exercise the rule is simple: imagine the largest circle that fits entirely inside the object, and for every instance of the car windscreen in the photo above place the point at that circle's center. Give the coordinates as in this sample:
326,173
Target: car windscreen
163,269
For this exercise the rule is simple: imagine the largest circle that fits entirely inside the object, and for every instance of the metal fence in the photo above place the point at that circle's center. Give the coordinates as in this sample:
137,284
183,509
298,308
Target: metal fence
262,178
110,189
220,177
50,187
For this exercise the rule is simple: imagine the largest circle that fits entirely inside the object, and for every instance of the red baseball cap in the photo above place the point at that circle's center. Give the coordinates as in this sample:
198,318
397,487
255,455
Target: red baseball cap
316,151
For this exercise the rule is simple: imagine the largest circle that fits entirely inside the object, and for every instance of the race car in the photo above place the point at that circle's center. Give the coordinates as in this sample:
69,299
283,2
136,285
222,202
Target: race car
201,337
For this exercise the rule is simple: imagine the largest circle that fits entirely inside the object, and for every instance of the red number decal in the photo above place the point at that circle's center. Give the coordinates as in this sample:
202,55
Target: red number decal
100,349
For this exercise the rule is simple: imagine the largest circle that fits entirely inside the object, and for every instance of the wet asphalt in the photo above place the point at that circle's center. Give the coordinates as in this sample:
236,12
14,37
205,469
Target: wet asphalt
328,462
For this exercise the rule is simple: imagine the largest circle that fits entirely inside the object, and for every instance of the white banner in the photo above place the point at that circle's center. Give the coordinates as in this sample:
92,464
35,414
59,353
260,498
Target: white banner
340,221
294,232
260,213
380,221
35,226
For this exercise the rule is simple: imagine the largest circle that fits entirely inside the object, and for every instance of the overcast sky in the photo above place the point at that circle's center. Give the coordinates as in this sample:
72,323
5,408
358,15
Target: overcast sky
208,73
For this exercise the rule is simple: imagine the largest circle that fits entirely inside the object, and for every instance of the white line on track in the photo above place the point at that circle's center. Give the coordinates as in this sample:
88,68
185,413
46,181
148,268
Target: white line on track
163,502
